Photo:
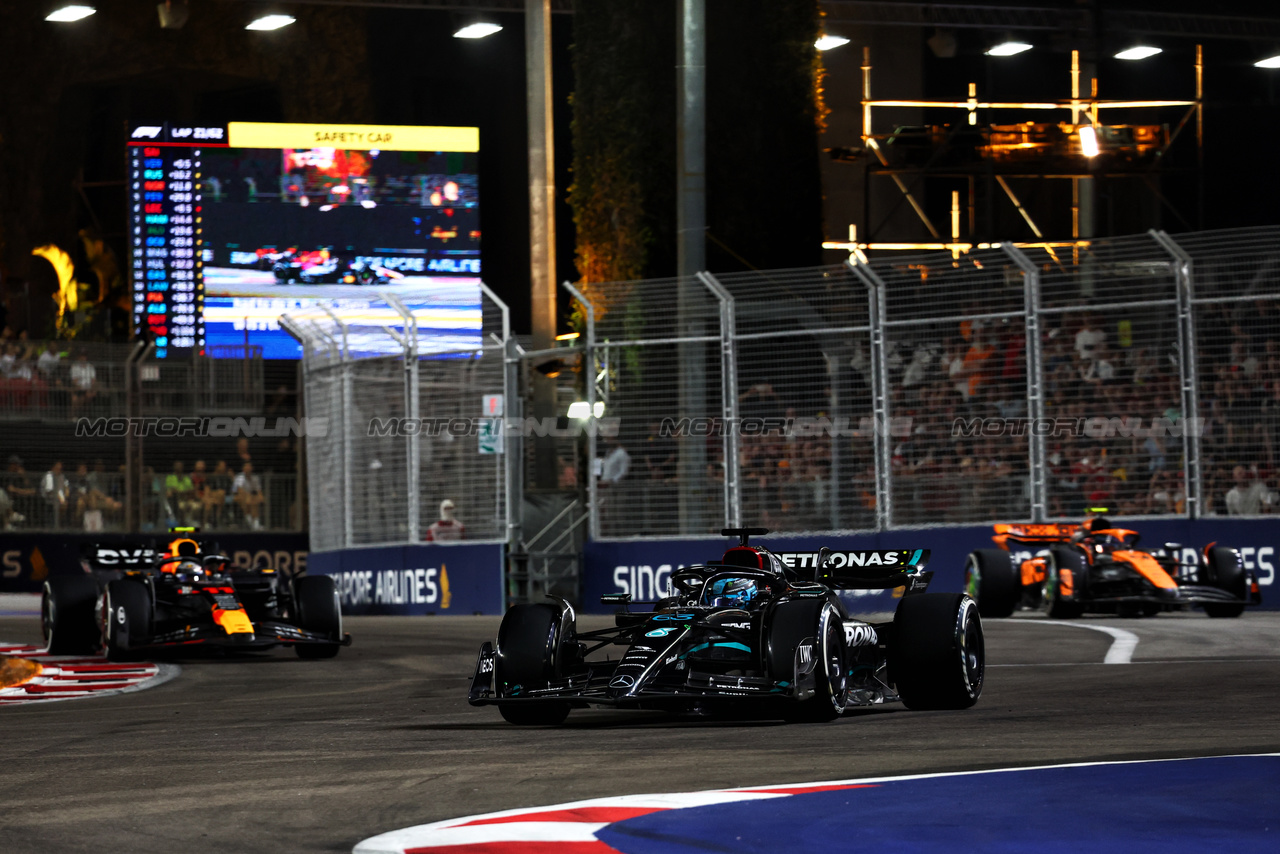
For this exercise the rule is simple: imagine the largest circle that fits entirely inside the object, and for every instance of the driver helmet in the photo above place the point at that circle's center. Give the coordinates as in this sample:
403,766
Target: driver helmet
184,548
732,592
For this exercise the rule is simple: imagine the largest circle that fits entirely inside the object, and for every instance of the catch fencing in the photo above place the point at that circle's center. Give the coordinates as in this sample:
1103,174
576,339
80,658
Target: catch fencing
405,427
1139,373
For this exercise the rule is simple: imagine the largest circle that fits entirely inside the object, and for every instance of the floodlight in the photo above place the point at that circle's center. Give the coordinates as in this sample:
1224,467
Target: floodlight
270,22
1138,52
1009,47
1088,141
67,14
477,30
829,42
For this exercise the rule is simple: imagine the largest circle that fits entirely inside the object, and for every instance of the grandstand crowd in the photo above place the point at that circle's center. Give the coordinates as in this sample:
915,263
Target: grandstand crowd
1094,367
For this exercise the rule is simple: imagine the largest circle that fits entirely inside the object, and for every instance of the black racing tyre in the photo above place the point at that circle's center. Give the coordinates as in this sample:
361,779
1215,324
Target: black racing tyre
317,609
1225,570
1056,604
937,657
992,581
67,615
817,624
126,617
529,656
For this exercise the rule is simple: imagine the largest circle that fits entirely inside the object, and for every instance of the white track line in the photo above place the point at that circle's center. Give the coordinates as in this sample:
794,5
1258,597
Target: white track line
1121,649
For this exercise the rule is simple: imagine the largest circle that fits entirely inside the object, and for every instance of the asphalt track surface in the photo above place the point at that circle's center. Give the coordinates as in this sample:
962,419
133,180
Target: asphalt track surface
272,754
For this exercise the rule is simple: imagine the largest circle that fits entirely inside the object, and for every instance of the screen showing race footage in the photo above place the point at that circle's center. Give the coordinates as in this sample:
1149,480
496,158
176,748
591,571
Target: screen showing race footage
285,217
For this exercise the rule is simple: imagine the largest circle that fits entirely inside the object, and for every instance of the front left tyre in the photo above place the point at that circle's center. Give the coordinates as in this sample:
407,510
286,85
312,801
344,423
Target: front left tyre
126,618
530,654
992,580
937,658
1065,574
804,631
1224,569
317,609
67,615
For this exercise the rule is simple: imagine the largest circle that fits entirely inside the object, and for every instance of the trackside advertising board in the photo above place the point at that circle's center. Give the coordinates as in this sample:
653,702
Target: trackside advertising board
643,568
461,578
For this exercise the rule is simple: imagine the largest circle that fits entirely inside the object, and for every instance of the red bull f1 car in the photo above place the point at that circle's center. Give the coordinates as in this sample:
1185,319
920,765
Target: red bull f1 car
133,599
1068,570
744,634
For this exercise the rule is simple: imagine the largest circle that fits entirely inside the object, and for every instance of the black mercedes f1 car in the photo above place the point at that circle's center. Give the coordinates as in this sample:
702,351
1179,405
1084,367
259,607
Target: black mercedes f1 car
744,633
131,600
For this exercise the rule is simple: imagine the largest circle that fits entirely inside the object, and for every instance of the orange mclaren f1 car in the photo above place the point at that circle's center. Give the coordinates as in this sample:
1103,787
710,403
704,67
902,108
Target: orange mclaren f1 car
1096,567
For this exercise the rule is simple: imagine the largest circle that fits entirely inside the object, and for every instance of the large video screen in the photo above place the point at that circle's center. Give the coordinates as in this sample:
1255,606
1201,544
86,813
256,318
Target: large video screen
236,225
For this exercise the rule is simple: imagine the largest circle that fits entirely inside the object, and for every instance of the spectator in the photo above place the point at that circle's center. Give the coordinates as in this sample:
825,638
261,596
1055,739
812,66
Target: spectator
8,358
1089,338
199,480
92,503
7,516
247,492
615,465
216,489
83,380
47,364
17,481
1249,495
54,491
447,529
179,491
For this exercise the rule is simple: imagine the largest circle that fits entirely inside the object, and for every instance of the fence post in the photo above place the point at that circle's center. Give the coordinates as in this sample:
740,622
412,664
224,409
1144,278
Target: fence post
132,445
301,482
512,444
1187,369
877,309
1038,475
728,398
344,355
589,373
409,341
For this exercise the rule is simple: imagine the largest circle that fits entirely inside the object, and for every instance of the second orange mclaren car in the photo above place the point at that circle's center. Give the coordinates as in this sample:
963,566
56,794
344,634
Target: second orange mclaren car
1097,567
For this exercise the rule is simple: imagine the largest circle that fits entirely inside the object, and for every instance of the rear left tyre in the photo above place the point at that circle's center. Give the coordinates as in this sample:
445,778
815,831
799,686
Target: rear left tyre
67,615
937,659
318,610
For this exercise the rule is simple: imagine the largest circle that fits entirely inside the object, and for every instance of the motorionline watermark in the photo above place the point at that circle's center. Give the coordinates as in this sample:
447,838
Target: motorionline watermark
800,426
217,427
458,428
1094,427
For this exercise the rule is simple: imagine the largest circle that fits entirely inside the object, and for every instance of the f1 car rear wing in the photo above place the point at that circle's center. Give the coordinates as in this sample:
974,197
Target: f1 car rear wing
1049,534
862,570
119,556
1034,535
